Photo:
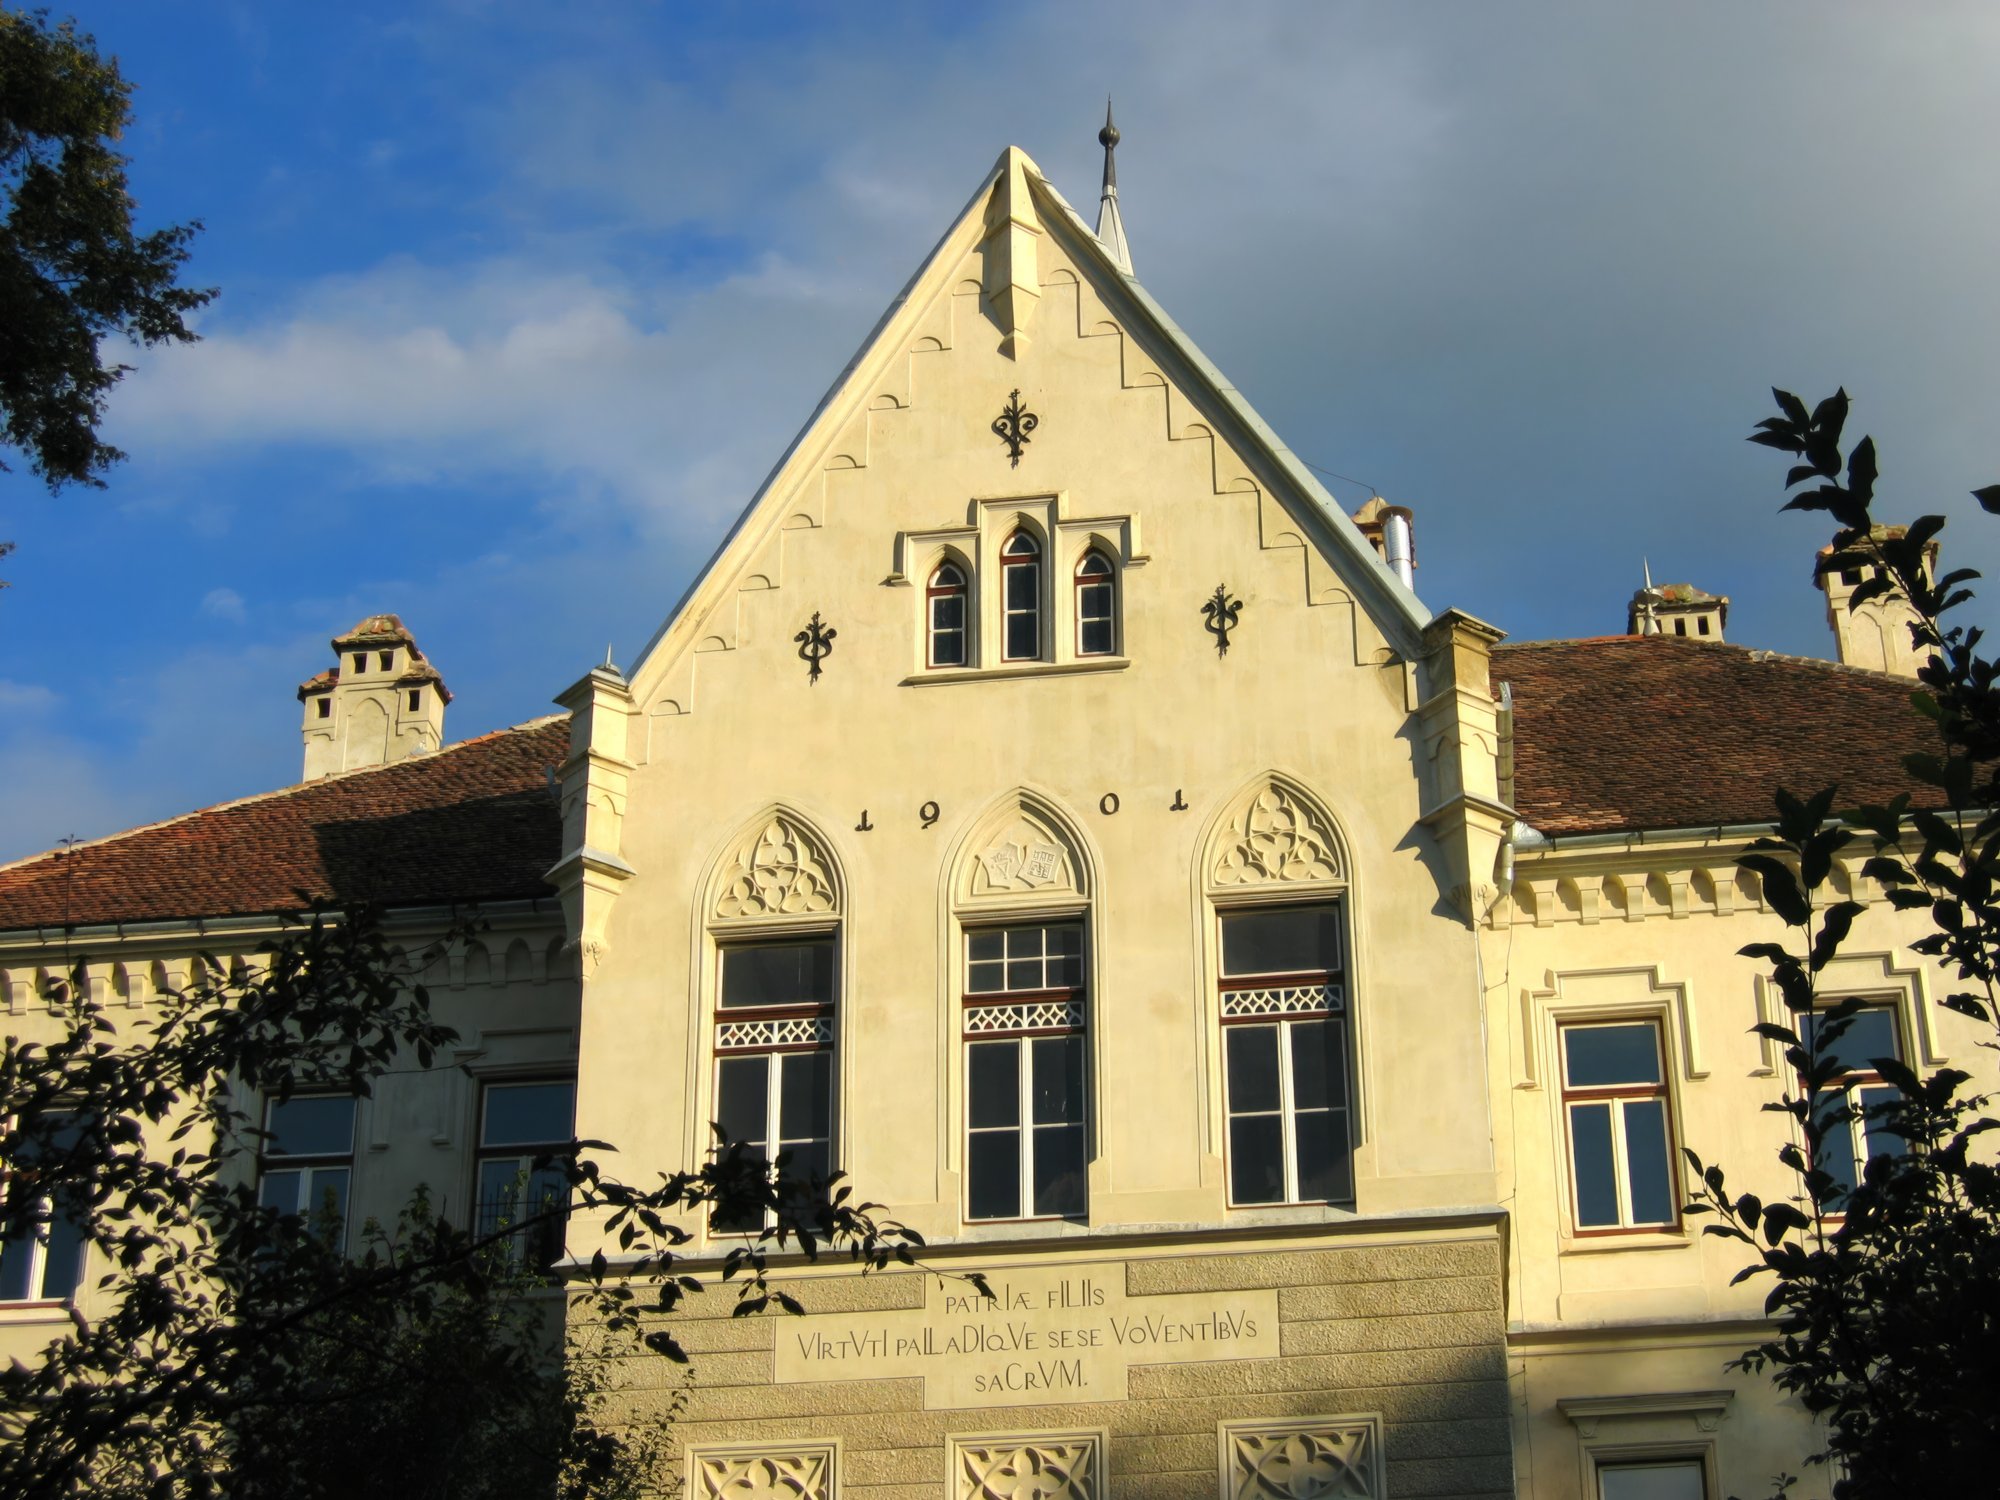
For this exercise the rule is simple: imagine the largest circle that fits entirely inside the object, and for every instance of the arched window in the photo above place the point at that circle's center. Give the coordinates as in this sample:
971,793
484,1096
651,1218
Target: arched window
1021,598
946,600
1096,606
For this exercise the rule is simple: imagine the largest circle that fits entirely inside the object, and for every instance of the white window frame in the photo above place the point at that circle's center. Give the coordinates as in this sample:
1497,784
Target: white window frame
38,1247
521,1155
1035,564
933,593
1106,580
1858,1083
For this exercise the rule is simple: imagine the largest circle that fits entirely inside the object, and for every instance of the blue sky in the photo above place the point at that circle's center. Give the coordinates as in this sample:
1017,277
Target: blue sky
519,302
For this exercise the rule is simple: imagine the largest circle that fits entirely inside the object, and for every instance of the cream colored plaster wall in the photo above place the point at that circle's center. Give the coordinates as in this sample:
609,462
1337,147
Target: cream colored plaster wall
510,993
726,726
1408,1328
1654,932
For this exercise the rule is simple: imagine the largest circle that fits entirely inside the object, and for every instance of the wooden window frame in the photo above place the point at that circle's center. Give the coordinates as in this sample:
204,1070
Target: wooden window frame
1333,981
1106,579
308,1163
1021,1038
1858,1080
1616,1094
523,1152
13,1178
934,591
1030,560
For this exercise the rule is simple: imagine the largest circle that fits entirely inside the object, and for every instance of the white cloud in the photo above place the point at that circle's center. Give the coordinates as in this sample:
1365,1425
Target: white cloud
223,604
24,698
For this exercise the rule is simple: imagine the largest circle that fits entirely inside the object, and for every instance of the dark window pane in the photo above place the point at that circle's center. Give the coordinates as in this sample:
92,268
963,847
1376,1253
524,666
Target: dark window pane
1024,942
743,1097
986,944
1288,940
1023,584
1836,1147
326,1208
1067,938
1256,1160
1675,1480
986,977
280,1191
807,1164
1023,639
1596,1055
1066,972
779,974
1095,638
1060,1186
948,650
1870,1034
805,1098
529,1114
320,1125
1253,1068
948,612
1881,1140
1591,1163
1646,1166
1025,974
993,1175
1319,1077
1325,1173
1058,1080
17,1266
995,1091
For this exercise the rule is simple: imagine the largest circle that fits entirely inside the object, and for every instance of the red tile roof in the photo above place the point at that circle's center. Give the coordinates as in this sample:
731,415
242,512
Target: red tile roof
474,821
1630,732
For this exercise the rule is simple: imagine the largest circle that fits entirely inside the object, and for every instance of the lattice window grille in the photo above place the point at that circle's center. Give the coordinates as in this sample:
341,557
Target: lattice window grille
1041,1466
1031,1015
1287,1000
795,1472
1304,1458
787,1031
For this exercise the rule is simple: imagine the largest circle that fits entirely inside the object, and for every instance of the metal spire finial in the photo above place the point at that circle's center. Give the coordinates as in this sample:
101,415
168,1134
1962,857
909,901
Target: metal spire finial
1110,224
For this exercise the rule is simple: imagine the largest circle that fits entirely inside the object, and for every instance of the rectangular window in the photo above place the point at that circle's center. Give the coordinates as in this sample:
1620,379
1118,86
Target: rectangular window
308,1160
1284,1053
387,659
1658,1479
1021,607
41,1239
1614,1099
1026,1115
1853,1138
519,1123
774,1059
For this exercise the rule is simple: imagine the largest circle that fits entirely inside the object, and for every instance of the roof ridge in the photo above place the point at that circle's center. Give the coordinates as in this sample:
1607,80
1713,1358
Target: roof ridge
276,792
1754,653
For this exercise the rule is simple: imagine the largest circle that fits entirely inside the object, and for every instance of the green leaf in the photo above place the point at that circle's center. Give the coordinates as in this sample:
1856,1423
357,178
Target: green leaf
1988,497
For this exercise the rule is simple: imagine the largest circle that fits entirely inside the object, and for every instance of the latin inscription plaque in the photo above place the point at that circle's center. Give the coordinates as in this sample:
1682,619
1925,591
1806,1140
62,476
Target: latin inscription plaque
1050,1335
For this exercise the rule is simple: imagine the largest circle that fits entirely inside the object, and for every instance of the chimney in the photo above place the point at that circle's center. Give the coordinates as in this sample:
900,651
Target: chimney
1677,609
1877,635
1388,530
380,701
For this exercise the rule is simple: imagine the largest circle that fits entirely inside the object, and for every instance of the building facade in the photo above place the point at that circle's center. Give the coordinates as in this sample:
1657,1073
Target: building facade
1052,810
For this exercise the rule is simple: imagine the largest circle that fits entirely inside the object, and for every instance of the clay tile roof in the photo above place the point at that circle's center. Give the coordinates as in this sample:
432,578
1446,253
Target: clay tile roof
373,628
1632,732
471,822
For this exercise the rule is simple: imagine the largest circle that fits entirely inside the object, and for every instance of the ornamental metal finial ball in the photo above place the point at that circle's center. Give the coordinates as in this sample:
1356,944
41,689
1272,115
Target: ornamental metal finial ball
1108,136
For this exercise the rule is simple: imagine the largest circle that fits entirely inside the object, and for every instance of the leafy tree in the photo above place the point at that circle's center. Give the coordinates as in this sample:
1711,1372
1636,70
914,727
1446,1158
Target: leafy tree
240,1350
1885,1284
73,270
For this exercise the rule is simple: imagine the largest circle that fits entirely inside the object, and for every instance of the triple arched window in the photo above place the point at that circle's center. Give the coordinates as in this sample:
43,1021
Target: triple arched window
1025,603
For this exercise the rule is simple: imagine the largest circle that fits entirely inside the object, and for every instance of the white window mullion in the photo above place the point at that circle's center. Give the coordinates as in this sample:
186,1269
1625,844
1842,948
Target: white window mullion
1287,1116
1627,1214
1026,1069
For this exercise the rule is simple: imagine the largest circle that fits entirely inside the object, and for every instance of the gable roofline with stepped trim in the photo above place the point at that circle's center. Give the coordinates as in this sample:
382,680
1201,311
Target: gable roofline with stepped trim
1390,604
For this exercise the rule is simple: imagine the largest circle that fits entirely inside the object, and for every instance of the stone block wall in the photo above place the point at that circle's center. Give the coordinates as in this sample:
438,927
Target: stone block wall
1412,1333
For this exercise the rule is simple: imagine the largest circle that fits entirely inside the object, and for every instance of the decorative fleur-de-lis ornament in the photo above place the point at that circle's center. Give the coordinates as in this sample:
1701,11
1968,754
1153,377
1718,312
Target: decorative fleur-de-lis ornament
1012,427
815,645
1219,617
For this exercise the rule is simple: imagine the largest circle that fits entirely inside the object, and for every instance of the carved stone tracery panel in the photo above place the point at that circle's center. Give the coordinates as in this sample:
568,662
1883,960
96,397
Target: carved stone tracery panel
1045,1466
1304,1458
780,871
1275,837
802,1472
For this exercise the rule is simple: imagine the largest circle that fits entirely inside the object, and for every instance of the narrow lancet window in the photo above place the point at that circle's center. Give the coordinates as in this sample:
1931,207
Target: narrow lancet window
1021,597
947,626
1096,606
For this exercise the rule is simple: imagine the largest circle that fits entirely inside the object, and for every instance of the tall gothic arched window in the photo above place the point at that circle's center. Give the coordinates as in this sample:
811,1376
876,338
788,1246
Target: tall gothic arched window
1021,598
947,625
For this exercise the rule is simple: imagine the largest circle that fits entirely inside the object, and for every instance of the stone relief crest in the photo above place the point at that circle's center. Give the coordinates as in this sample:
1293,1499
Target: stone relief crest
780,872
778,1474
1054,1467
1020,854
1275,837
1331,1458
